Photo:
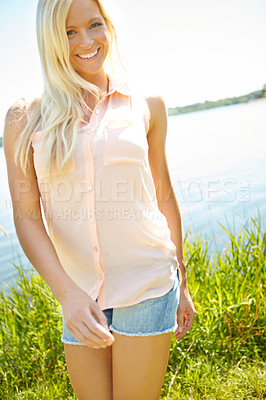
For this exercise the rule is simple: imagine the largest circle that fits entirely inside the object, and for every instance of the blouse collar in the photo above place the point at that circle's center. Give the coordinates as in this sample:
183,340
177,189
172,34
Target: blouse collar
116,86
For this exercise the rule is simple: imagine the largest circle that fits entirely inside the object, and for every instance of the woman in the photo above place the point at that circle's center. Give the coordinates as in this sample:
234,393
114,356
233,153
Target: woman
110,242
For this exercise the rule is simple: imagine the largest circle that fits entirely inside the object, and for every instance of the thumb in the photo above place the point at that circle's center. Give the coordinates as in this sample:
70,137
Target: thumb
100,317
179,320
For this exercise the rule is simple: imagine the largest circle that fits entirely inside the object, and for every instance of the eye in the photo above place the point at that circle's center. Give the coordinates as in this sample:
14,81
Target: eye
95,25
70,33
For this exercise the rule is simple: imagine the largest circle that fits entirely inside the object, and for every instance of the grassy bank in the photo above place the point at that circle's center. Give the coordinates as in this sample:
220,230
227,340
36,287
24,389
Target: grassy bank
221,357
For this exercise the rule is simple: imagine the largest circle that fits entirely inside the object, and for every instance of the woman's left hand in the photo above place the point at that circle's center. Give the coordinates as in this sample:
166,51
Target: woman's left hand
185,312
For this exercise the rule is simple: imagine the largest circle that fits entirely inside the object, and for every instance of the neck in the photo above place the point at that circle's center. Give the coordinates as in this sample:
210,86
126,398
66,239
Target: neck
101,81
103,84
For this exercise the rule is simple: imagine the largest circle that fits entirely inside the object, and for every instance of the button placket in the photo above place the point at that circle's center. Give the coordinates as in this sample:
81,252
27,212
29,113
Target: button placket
89,156
97,110
90,177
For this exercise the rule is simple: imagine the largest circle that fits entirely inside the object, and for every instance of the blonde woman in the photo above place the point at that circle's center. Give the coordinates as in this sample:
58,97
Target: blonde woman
94,208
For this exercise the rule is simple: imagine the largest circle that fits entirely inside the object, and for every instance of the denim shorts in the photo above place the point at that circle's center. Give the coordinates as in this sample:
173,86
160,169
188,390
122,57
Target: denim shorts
153,316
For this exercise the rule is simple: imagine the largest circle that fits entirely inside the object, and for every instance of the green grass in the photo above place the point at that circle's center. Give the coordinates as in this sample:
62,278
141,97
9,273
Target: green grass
221,357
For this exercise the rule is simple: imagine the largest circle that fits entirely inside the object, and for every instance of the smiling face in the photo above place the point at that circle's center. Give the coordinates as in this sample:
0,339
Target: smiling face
88,39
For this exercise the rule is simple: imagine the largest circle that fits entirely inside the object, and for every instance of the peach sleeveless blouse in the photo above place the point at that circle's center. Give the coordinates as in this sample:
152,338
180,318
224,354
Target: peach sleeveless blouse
103,217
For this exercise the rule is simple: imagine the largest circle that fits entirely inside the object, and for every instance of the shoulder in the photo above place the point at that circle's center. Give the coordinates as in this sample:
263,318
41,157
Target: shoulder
157,117
17,112
155,103
157,113
15,122
17,117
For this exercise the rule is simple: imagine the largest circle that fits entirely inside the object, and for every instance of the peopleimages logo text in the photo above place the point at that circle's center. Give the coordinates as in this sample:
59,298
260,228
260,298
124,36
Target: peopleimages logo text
130,190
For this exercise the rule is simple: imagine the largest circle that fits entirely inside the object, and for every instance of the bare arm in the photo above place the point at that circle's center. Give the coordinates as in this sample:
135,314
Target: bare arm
31,232
167,202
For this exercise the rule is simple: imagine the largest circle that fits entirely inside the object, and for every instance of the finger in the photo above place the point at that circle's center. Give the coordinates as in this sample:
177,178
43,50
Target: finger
179,321
189,318
97,329
82,332
187,325
100,316
81,338
89,336
178,335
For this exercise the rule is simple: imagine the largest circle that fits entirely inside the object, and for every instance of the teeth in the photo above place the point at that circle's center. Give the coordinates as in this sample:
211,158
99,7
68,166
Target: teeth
90,55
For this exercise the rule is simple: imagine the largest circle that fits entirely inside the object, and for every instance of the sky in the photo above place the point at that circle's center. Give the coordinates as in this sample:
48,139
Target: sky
188,51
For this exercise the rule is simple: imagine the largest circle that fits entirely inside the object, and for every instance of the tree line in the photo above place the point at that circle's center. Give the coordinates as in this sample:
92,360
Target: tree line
259,94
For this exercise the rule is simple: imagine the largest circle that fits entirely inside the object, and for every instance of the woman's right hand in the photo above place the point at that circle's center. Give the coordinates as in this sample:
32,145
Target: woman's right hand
79,311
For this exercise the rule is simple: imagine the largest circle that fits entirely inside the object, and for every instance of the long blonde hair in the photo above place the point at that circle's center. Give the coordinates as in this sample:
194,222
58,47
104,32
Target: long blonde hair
61,107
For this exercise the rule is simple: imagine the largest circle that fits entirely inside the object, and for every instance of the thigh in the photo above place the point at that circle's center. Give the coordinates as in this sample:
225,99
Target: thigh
90,371
139,365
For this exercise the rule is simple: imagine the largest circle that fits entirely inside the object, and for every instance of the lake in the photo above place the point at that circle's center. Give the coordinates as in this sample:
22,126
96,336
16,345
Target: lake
217,163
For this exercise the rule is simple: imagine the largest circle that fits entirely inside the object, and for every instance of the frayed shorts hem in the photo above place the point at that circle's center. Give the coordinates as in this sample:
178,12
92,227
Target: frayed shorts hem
139,334
75,343
143,333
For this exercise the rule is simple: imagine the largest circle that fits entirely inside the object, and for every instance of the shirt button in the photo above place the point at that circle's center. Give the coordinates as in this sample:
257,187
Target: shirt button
90,188
92,219
95,248
97,111
89,158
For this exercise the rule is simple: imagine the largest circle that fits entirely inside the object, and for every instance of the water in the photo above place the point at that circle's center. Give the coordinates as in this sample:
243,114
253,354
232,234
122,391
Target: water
217,163
10,250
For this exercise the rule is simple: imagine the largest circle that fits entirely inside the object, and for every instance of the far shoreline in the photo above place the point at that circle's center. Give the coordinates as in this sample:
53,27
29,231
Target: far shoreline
259,95
254,97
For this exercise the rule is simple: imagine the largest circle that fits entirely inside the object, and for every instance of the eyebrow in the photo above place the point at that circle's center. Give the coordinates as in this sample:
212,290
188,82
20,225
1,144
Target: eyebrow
90,21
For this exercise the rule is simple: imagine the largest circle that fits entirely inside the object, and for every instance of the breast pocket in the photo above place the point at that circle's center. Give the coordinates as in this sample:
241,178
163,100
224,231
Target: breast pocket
125,142
42,172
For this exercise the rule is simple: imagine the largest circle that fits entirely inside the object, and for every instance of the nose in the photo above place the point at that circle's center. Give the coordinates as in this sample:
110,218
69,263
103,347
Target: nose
86,40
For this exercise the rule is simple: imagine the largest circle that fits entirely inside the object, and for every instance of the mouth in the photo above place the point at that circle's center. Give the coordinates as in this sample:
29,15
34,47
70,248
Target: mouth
89,56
